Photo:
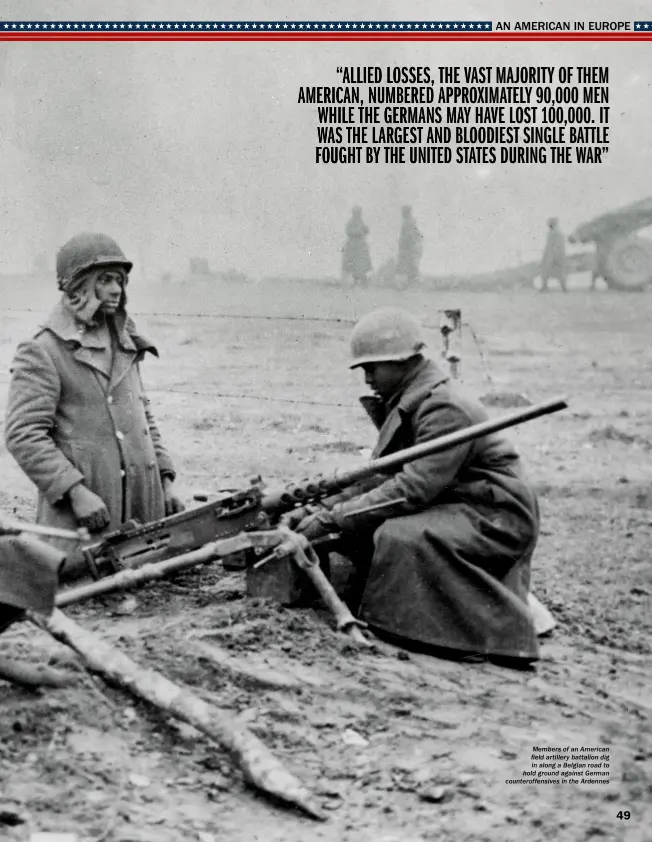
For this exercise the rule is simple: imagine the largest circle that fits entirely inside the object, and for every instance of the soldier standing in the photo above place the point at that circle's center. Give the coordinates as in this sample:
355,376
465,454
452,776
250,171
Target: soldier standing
602,248
553,262
78,420
356,262
410,249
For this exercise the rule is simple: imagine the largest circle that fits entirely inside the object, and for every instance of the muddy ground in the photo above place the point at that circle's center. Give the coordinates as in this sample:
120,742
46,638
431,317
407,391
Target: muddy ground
396,747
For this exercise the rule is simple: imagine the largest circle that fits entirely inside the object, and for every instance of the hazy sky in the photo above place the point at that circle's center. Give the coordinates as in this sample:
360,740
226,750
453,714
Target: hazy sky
202,149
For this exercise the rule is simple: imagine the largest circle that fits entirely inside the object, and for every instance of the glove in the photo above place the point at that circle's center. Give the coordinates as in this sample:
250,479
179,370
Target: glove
317,525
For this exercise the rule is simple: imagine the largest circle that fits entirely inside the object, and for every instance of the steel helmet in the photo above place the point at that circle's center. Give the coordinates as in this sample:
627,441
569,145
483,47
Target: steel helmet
85,251
386,335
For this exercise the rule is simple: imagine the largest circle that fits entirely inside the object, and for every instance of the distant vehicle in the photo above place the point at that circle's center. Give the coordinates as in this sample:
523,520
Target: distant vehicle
623,258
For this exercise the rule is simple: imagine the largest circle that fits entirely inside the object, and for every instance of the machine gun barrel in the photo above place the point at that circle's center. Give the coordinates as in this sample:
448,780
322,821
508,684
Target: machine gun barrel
277,502
224,528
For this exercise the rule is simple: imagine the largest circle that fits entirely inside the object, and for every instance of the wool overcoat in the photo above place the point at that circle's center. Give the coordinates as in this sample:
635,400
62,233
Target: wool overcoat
451,566
29,575
67,421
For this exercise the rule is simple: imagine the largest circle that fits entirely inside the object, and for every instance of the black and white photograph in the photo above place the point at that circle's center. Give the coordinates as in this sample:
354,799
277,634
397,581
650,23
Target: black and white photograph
326,421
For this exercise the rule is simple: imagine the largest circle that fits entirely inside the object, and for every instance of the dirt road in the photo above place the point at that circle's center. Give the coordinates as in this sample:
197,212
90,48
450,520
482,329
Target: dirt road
397,747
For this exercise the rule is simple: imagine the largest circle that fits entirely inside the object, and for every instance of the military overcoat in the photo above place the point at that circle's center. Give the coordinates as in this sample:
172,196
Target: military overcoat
67,421
29,575
451,567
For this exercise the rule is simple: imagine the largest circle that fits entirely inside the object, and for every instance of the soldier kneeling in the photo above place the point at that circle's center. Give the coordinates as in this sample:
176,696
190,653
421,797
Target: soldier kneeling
446,568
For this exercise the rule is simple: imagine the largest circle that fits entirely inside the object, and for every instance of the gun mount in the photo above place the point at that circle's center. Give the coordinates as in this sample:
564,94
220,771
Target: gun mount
240,526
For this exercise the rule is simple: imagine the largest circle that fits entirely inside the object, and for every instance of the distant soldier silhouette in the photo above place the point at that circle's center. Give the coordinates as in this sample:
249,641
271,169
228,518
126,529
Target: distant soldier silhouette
356,262
602,249
553,262
410,249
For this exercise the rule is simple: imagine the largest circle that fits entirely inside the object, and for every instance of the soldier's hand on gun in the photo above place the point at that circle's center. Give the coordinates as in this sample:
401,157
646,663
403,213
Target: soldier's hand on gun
89,509
317,525
173,504
293,519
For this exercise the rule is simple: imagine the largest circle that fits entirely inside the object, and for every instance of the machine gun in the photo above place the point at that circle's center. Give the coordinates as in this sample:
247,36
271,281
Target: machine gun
241,528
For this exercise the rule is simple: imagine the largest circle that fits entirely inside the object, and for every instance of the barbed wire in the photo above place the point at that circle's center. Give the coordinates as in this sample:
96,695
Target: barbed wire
483,362
246,316
207,393
243,316
261,317
232,396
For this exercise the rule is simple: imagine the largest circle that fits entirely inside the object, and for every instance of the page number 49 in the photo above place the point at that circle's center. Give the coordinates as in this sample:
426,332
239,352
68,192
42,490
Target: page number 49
624,814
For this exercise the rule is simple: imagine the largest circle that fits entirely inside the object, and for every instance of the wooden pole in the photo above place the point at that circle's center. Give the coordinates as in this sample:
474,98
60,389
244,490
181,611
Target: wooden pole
260,768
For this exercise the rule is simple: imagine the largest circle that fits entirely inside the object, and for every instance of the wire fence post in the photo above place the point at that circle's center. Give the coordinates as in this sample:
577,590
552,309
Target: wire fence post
451,332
